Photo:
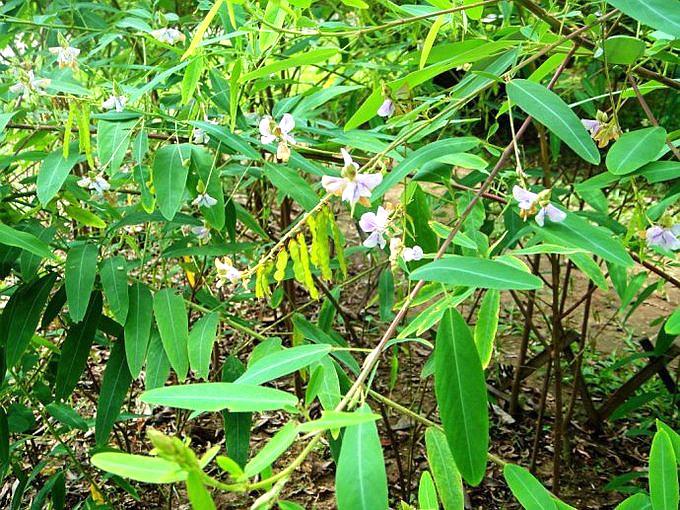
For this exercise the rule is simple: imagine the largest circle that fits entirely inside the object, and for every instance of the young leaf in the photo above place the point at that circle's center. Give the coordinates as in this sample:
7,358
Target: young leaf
663,473
528,491
201,340
138,326
217,396
430,38
551,111
487,324
140,468
171,318
446,475
637,501
278,444
427,494
360,478
282,363
198,494
80,272
460,389
76,349
117,380
113,274
476,272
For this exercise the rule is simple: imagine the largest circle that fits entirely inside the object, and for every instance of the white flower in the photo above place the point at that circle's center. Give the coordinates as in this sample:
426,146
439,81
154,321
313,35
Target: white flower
199,137
667,238
226,272
387,108
202,232
414,253
33,84
538,204
376,224
353,186
97,184
115,103
271,131
204,200
67,56
168,35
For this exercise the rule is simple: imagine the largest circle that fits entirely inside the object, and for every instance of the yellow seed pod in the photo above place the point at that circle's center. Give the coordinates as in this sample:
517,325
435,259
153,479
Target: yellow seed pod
338,242
281,263
294,250
304,262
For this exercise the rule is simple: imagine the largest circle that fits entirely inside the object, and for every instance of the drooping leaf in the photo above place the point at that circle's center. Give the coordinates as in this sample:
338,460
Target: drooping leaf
157,364
116,381
460,389
663,15
528,491
113,274
173,325
487,324
236,425
53,172
113,139
170,171
360,478
282,363
80,272
663,473
551,111
138,326
12,237
476,272
446,475
201,340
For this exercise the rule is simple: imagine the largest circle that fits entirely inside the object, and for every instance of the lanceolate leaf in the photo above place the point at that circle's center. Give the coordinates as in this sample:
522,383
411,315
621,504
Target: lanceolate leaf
476,272
201,341
113,274
138,326
635,149
360,478
446,475
25,241
157,364
21,315
637,501
81,269
663,473
117,380
139,467
236,425
53,172
170,171
551,111
171,318
460,389
487,324
113,139
427,494
76,349
288,182
217,396
528,491
282,363
272,450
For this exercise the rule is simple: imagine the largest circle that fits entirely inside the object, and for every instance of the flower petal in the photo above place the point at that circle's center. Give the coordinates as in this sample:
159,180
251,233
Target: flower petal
556,215
369,222
287,123
523,196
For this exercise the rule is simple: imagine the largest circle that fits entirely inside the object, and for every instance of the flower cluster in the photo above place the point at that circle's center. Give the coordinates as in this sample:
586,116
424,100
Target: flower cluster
353,186
98,184
168,35
377,226
602,129
537,204
270,131
667,238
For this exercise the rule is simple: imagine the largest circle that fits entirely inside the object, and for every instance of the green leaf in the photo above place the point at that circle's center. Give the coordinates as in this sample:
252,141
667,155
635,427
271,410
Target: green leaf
278,364
487,325
140,468
278,444
319,336
429,39
446,475
198,494
113,274
664,15
637,501
157,364
25,241
331,420
289,182
171,317
234,142
366,111
236,425
67,415
138,326
672,434
53,173
217,396
76,349
576,232
308,58
201,340
528,491
170,171
590,268
192,75
476,272
21,315
427,494
416,159
360,478
117,380
460,389
113,139
635,149
79,274
551,111
663,473
623,49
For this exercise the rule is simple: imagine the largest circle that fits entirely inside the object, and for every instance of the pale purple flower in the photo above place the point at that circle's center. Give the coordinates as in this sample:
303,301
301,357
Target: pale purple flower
115,103
538,204
67,56
204,200
591,125
168,35
667,238
375,224
353,186
32,84
386,108
200,137
202,232
226,272
414,253
98,184
271,131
